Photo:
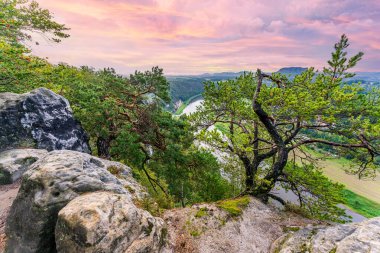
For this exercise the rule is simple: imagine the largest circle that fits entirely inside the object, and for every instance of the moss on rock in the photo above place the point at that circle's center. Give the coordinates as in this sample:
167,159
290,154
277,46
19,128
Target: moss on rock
234,206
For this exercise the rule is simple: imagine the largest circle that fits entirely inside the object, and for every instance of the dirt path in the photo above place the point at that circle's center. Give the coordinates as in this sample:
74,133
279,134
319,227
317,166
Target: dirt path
7,195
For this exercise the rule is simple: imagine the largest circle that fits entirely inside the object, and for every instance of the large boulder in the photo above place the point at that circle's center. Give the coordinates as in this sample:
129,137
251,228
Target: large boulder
13,163
51,183
363,237
108,223
39,119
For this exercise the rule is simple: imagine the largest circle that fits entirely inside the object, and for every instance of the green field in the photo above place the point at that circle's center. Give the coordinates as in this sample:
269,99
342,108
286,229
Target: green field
361,205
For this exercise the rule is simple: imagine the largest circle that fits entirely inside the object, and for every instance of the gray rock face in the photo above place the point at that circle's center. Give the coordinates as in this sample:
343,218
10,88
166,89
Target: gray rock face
13,163
108,223
51,183
39,119
363,237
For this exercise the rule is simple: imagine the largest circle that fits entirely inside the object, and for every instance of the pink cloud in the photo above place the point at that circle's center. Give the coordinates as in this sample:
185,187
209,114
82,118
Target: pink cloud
196,36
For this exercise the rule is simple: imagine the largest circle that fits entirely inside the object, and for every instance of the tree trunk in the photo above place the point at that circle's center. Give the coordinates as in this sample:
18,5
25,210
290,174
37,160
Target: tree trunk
250,173
278,166
103,145
262,190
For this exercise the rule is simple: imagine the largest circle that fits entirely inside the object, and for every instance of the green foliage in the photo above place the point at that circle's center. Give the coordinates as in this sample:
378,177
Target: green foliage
339,63
20,71
362,205
149,204
318,196
234,206
157,199
21,19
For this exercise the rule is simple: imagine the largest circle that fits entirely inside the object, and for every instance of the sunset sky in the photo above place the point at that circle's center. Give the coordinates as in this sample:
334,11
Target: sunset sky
199,36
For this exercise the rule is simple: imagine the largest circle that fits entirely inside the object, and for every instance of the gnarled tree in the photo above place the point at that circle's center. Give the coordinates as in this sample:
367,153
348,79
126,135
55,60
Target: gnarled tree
267,121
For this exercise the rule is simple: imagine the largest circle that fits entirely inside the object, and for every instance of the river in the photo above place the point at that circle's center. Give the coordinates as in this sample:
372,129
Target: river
192,107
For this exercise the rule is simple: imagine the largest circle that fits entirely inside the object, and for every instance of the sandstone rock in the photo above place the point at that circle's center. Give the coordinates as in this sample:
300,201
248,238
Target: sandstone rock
39,119
49,184
352,237
108,223
215,231
13,163
8,193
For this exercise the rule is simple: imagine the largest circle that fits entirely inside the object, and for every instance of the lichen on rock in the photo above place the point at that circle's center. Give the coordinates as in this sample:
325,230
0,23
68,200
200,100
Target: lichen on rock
39,119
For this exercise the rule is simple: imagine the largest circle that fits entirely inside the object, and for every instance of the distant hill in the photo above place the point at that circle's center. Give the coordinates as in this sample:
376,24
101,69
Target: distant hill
291,70
183,87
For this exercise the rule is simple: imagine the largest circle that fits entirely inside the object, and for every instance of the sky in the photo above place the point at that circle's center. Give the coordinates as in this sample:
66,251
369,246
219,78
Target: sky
207,36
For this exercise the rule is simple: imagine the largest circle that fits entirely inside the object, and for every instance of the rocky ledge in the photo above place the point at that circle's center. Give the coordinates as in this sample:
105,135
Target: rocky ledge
220,227
90,198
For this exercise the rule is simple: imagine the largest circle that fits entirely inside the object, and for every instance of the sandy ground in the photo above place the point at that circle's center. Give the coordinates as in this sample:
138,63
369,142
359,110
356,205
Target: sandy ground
369,188
7,195
333,168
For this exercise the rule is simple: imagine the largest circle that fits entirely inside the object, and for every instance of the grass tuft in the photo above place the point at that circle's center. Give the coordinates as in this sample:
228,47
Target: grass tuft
201,212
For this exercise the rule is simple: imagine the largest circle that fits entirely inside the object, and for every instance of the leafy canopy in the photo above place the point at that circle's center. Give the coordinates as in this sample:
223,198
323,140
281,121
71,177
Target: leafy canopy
20,22
21,19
